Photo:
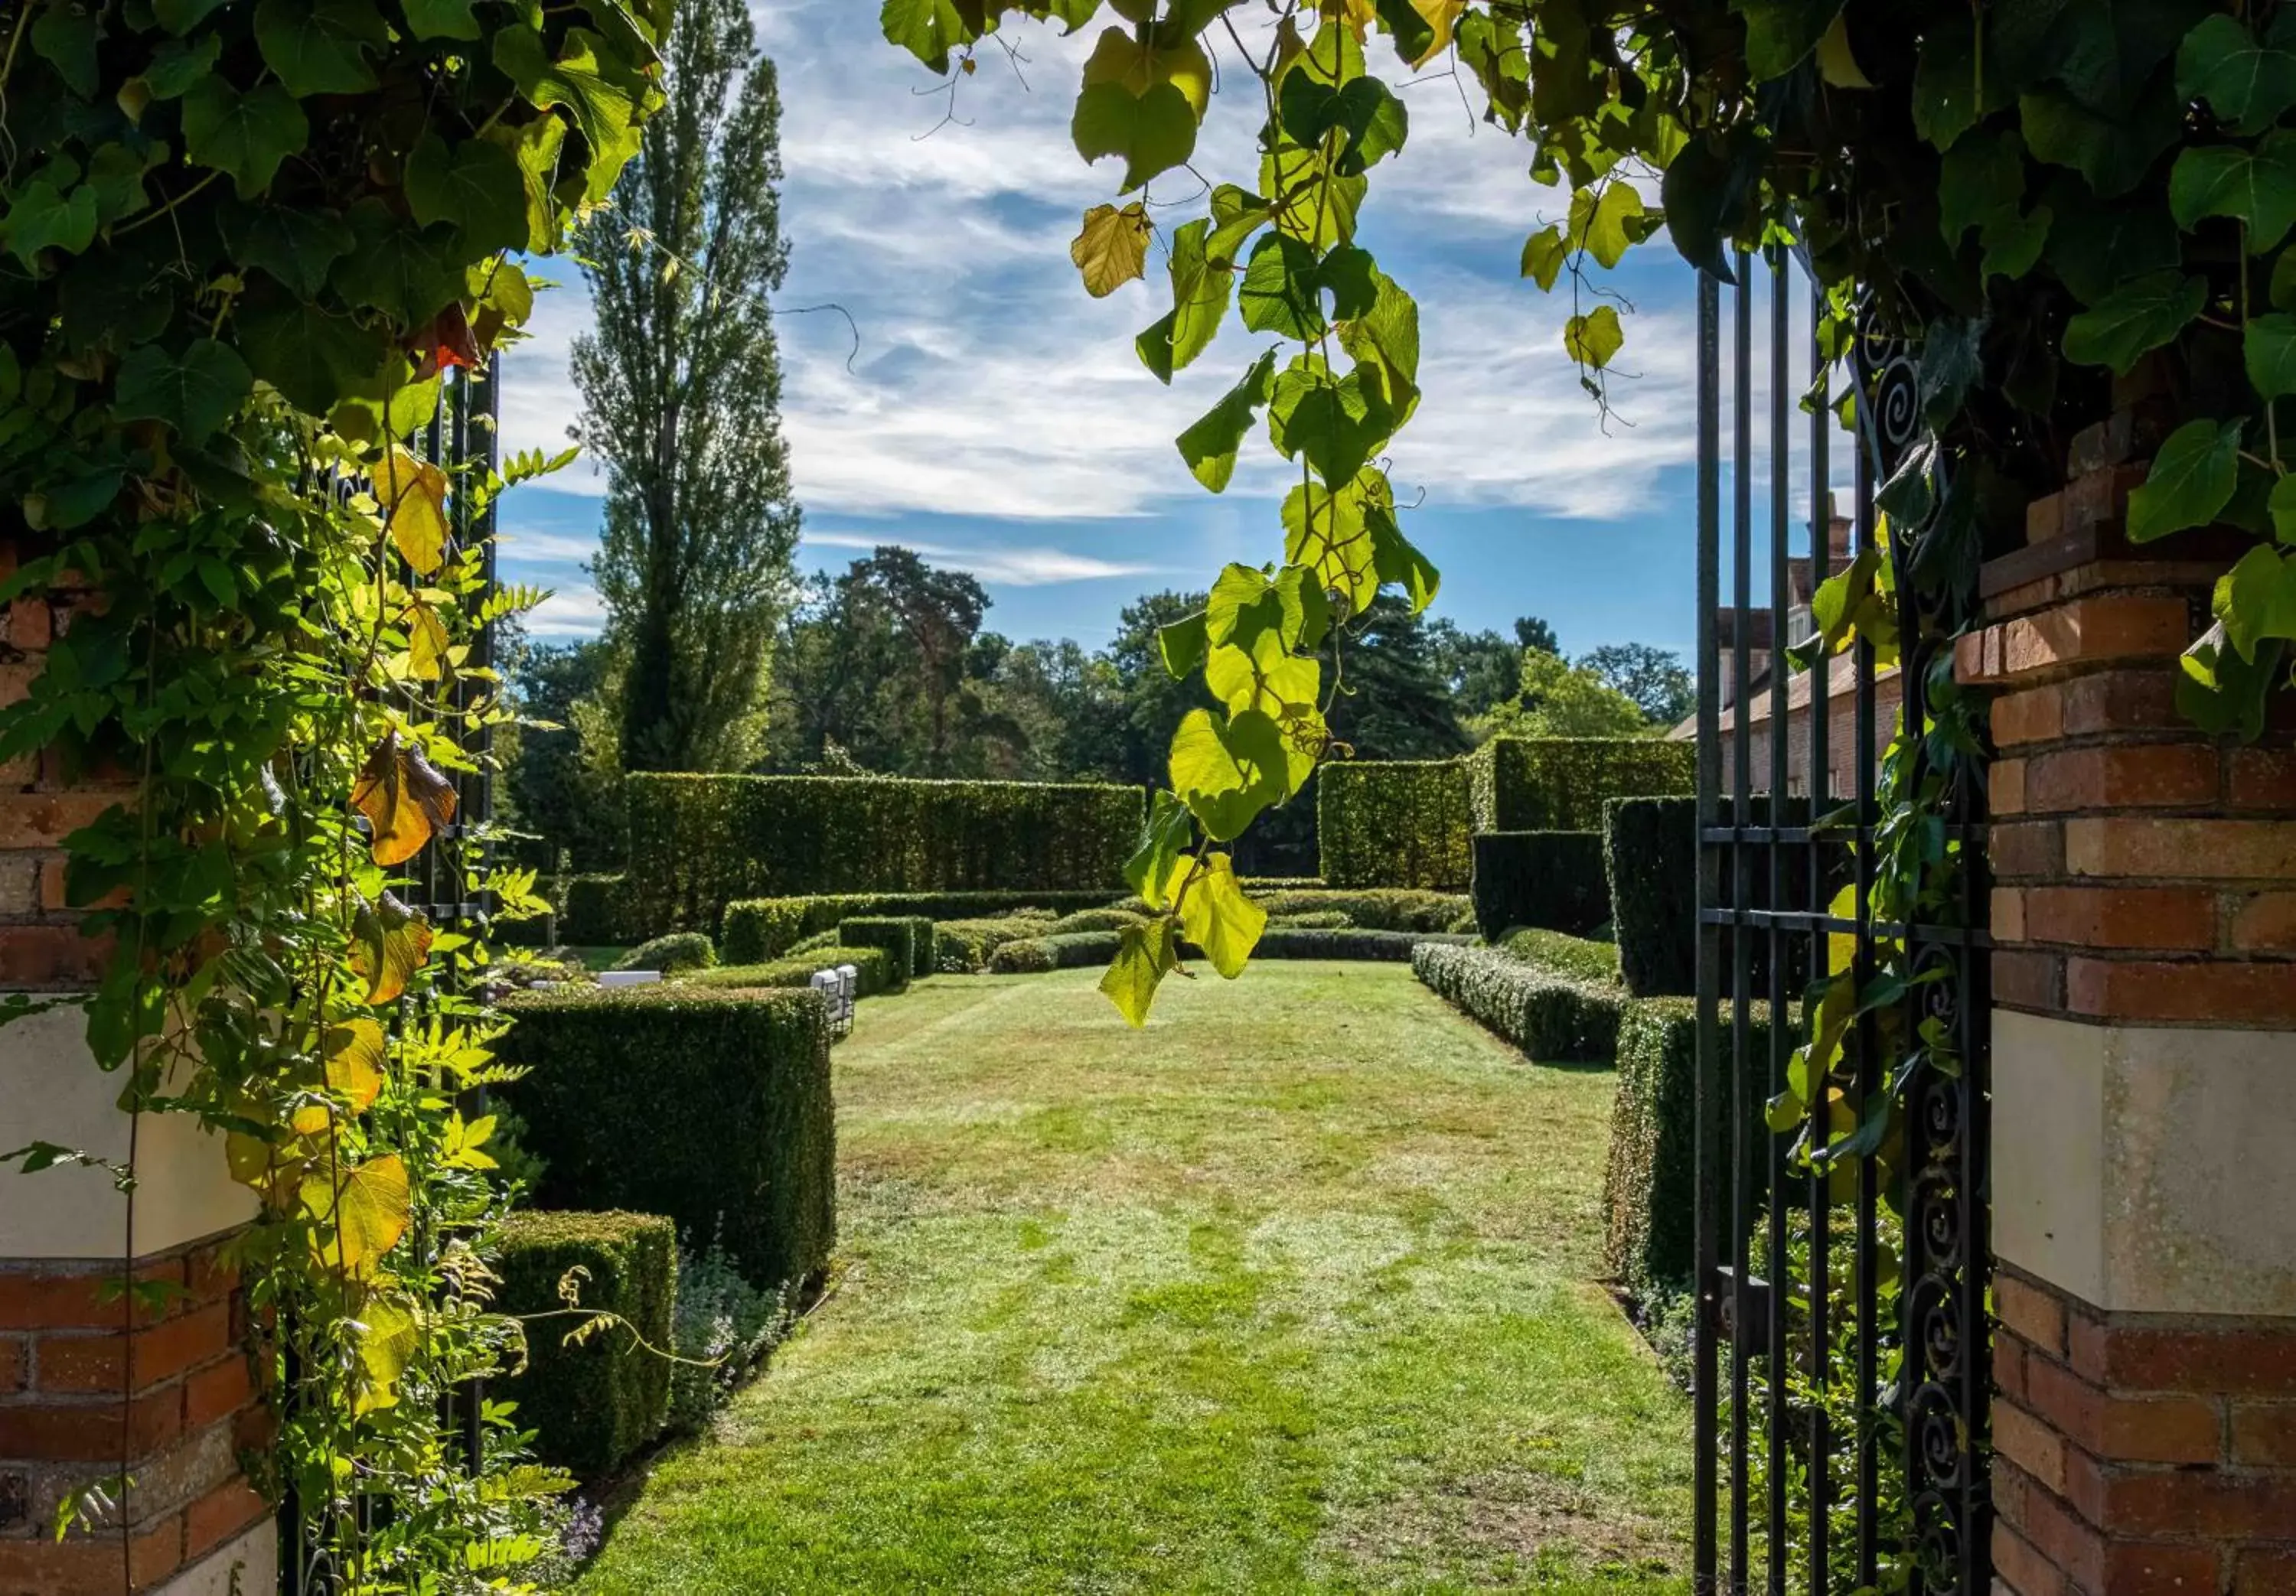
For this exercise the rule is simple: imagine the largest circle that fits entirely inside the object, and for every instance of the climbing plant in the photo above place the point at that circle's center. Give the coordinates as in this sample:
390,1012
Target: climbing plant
241,248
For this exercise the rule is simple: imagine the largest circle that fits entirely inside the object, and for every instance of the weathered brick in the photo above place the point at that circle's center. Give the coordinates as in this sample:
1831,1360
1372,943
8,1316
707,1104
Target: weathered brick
215,1391
2026,850
2019,1568
2045,519
82,1299
2161,1568
42,820
107,1362
2122,700
2094,498
2265,923
91,1566
2088,632
2204,1502
220,1515
2117,1429
28,626
2006,787
51,957
2224,850
2254,1359
2008,915
2037,714
90,1432
2245,993
2029,979
2034,1313
2264,1433
2260,779
15,1364
2265,1571
2126,776
2029,1442
2009,1359
2128,917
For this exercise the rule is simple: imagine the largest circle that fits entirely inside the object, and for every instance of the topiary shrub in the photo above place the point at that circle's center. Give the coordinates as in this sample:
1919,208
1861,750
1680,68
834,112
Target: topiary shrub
1035,954
1393,823
595,1406
710,1107
1374,909
1390,948
699,842
1551,880
1315,920
753,929
1095,919
1651,859
1650,1182
907,940
1573,956
1561,783
1552,1018
678,951
873,972
964,946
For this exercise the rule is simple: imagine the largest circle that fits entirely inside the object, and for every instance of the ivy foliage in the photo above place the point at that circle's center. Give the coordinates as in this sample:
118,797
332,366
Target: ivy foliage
243,248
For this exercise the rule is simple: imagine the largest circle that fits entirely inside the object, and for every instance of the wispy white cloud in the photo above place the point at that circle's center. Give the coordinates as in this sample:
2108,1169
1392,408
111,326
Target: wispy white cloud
1015,566
568,612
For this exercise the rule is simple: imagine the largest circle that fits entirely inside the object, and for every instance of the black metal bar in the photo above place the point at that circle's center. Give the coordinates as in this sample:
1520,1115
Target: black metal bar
1704,1403
1887,930
1778,1266
1741,593
1869,1078
1821,798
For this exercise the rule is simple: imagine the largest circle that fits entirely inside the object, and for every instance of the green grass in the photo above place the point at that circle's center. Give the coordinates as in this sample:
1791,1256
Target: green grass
1291,1292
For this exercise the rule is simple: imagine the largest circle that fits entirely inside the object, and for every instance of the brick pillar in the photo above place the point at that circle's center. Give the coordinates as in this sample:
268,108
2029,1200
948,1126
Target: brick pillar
2145,1074
91,1377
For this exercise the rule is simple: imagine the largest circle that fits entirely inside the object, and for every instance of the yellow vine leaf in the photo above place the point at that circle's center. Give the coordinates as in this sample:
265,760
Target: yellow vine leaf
1837,63
1220,918
1357,14
413,494
1442,16
363,1212
390,1335
388,946
1122,57
1143,956
404,798
1112,250
255,1163
355,1063
426,642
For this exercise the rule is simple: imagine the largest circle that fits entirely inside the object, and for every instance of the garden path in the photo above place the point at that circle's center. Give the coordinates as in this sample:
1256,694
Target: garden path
1292,1292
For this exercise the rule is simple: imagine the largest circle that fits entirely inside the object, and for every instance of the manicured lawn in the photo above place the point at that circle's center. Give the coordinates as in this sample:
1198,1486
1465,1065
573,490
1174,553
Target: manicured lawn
1291,1292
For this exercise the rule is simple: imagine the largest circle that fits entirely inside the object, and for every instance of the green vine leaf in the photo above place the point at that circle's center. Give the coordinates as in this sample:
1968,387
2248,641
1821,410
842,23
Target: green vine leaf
606,96
441,19
1137,63
66,38
2136,318
1228,769
1145,955
2113,152
1209,446
40,218
1543,256
2268,351
1153,133
1328,420
2246,81
1781,34
2192,481
194,392
1281,293
1159,862
476,187
1593,339
245,135
2256,600
1200,293
2256,186
928,29
320,46
1111,249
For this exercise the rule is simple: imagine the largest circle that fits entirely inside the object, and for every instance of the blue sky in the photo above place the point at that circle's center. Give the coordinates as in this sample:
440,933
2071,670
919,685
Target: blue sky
996,419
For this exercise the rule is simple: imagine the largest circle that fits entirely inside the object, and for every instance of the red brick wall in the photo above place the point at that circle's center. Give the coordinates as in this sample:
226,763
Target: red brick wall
2145,876
89,1375
41,947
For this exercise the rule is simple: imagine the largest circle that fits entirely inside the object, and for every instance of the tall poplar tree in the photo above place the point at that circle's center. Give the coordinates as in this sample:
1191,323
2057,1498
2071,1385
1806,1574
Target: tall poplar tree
681,392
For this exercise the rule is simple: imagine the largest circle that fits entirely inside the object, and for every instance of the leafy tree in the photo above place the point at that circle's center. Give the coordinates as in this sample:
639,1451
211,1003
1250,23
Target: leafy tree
1655,679
549,788
933,616
681,392
1049,711
1394,701
1557,698
1480,667
1533,633
1153,702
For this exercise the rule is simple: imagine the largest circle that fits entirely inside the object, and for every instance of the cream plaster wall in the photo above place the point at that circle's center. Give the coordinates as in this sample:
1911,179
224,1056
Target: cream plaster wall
50,1090
2144,1168
253,1557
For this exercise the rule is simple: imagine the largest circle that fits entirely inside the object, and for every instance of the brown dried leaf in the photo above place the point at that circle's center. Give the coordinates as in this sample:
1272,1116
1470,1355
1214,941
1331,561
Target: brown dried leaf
404,799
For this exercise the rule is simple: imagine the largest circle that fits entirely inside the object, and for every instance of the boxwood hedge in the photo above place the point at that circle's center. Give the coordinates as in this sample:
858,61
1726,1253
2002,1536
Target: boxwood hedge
1553,1017
1561,783
765,928
1649,1185
1031,955
699,842
711,1107
905,939
1399,824
596,1404
1574,956
872,971
1551,880
1650,858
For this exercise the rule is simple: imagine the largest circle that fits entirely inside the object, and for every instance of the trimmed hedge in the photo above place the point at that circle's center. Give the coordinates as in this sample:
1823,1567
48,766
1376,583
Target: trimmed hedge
1033,955
596,1405
1552,1018
1650,858
906,939
710,1107
1574,956
1650,1186
1561,783
765,928
1550,879
1095,919
1374,909
699,842
1387,947
1393,823
599,913
678,951
872,971
964,946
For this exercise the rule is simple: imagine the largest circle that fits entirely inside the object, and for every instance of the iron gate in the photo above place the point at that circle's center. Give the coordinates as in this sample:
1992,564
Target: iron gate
460,436
1842,1348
